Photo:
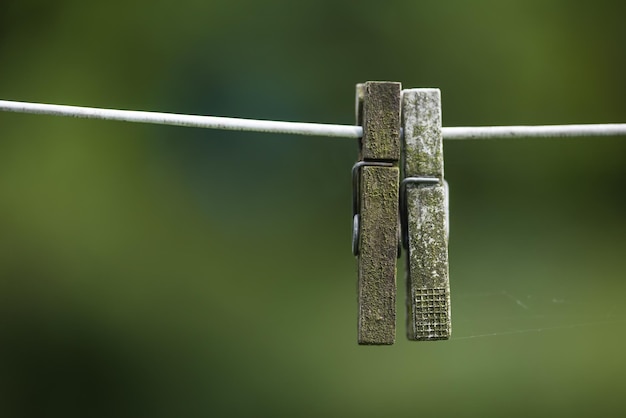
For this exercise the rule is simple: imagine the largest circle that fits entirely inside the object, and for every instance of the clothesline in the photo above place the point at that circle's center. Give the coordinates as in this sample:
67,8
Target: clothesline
300,128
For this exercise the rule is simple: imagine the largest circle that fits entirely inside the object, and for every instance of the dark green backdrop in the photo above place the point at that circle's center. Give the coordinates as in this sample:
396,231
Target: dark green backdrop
153,271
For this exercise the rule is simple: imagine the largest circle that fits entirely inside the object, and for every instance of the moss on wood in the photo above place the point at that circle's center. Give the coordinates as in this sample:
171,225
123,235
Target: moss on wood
378,254
381,121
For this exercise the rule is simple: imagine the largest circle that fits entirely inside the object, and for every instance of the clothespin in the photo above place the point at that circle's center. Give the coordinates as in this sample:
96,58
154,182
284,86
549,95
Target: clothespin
424,217
375,209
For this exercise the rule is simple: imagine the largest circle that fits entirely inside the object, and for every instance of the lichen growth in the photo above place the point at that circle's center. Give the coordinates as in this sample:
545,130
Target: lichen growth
381,121
377,260
422,136
428,288
427,264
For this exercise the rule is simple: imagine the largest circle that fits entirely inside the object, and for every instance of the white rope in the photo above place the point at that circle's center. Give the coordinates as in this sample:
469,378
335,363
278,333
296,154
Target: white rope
546,131
195,121
298,128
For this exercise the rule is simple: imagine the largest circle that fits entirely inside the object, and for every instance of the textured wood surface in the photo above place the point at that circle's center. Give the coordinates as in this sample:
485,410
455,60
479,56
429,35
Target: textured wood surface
378,111
423,141
381,121
428,286
378,254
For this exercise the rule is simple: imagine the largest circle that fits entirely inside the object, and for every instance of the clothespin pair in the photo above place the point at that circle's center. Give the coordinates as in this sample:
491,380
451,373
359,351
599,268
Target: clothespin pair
400,128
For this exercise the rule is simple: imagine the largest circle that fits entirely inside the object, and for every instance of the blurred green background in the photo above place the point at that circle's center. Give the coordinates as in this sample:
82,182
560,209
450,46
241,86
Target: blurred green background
175,272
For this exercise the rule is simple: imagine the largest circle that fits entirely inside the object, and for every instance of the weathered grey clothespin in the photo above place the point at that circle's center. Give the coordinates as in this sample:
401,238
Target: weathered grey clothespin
375,207
424,217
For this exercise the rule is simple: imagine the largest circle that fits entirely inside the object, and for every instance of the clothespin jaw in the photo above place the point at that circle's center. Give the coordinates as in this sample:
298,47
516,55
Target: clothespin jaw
375,207
424,217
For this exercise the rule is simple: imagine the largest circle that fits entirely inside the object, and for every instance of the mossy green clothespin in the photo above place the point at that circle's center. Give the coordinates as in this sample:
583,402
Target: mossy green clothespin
424,216
375,207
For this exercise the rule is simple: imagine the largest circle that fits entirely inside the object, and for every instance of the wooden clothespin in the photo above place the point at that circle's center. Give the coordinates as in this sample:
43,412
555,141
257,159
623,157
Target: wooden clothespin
375,207
424,217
